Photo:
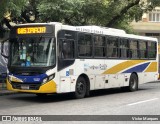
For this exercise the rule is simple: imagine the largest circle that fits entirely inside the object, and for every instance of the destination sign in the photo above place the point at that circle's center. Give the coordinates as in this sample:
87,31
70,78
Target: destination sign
31,30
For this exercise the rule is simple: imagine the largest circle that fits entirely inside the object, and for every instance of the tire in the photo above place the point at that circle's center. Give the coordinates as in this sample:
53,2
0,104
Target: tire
133,83
81,88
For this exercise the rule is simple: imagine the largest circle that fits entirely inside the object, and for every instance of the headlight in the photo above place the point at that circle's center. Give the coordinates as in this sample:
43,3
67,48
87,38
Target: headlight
14,79
51,77
45,80
9,78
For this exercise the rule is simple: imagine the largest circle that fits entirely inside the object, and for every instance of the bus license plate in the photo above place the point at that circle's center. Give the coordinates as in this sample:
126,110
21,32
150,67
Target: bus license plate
24,87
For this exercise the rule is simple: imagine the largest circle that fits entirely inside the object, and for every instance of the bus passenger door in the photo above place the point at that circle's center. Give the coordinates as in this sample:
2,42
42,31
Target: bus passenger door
65,60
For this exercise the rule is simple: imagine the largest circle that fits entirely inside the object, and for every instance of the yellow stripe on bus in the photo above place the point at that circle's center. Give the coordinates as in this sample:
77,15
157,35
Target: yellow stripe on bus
152,67
124,65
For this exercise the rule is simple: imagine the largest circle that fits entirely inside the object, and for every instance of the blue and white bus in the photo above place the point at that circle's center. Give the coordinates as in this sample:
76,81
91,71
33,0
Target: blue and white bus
46,58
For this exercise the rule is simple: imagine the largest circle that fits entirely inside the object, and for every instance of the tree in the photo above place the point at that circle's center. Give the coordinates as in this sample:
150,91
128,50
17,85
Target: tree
73,12
9,11
109,13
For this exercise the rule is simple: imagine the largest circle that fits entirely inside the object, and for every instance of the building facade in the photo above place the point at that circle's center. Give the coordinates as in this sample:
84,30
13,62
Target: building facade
149,25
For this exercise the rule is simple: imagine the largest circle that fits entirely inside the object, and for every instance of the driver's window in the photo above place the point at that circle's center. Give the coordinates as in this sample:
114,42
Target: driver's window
67,49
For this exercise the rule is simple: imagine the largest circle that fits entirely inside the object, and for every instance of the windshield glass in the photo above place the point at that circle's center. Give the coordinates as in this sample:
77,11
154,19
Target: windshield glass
33,52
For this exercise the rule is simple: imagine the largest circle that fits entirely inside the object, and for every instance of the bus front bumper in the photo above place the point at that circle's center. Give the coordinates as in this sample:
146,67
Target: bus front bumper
49,87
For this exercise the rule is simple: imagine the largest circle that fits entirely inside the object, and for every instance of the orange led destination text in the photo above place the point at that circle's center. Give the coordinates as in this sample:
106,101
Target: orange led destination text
31,30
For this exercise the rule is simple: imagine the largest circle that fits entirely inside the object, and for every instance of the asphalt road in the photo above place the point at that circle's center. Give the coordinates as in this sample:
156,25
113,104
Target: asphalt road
145,101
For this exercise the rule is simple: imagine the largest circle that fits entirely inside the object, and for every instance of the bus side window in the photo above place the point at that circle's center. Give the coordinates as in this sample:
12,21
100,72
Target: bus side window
99,46
85,45
143,49
133,49
152,50
112,47
124,48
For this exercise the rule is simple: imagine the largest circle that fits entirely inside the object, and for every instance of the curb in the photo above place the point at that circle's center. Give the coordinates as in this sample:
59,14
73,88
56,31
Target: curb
4,92
158,81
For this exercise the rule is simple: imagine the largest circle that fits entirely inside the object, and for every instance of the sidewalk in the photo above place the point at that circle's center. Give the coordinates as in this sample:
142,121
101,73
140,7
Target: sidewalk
4,91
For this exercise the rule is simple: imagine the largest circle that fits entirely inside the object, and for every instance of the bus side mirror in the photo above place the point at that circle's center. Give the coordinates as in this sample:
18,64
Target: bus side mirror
4,50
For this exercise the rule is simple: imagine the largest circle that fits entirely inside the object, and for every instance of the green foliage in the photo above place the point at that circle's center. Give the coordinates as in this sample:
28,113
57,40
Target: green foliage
74,12
67,11
13,6
2,8
89,12
111,13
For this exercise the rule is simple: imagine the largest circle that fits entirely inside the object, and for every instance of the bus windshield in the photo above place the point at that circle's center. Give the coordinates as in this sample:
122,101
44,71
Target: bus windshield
32,52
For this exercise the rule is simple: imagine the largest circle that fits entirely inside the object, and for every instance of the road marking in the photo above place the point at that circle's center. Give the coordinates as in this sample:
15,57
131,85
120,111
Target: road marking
142,101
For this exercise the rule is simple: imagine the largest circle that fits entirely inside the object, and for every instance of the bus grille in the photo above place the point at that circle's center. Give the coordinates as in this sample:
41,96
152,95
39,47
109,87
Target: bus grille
25,86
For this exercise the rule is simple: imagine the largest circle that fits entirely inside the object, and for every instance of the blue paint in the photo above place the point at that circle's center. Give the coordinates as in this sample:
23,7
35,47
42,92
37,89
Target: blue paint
31,79
139,68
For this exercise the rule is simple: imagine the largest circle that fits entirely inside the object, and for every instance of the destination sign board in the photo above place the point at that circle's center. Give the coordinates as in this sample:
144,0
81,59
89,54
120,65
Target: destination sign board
31,30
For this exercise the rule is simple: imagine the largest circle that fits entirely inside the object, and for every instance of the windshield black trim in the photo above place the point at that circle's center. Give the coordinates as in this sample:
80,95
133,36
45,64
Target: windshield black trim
31,70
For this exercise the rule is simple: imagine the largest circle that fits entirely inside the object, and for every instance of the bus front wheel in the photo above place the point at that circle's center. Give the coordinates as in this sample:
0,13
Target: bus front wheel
80,89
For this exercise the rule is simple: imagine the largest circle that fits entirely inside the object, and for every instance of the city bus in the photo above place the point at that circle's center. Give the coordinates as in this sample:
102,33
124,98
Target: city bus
53,58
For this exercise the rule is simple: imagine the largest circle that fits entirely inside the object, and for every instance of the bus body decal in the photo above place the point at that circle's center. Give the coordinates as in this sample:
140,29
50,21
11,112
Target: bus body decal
139,68
30,79
152,67
123,66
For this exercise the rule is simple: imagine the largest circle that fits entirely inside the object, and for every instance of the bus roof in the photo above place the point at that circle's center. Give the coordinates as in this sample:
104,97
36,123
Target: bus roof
95,29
